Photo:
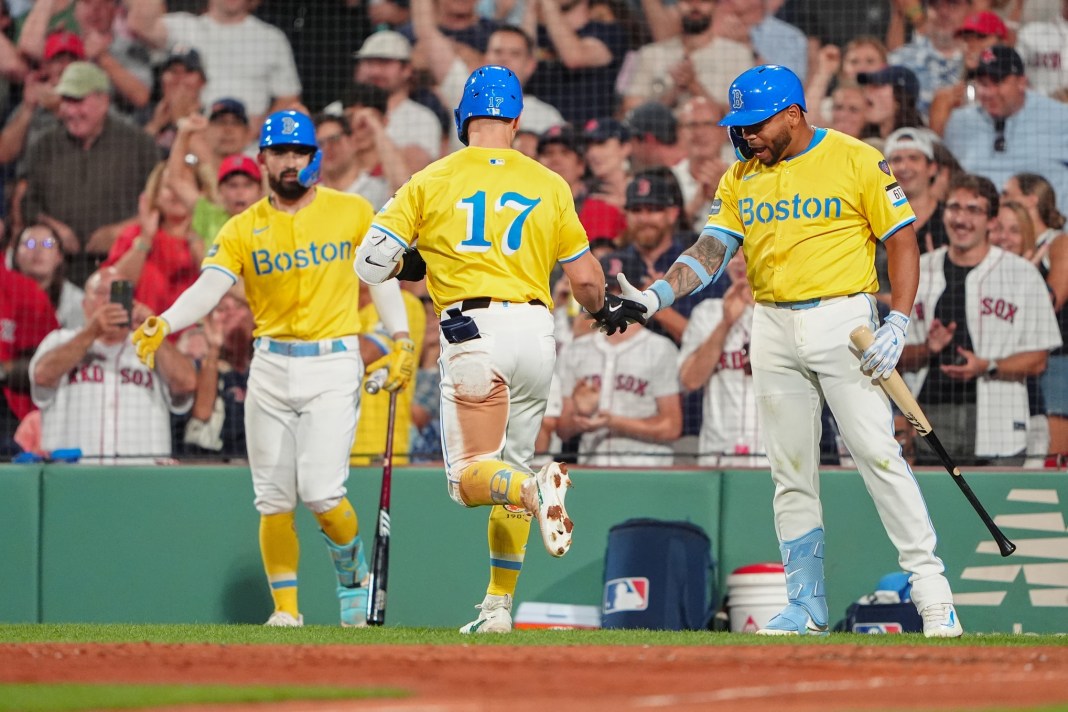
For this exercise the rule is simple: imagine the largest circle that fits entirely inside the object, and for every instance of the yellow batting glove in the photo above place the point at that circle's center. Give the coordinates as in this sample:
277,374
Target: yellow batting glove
149,337
401,365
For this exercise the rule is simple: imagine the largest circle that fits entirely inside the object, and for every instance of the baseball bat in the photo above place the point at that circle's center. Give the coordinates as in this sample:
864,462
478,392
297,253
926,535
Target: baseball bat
378,585
895,387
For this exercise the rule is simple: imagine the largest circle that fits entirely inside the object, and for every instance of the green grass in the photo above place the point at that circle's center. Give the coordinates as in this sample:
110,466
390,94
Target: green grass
329,635
62,697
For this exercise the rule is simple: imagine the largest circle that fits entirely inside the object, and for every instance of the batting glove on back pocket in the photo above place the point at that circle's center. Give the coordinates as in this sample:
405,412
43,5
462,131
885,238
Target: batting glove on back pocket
882,356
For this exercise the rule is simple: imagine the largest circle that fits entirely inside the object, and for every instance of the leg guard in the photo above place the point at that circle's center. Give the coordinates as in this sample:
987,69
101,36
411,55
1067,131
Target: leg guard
352,574
807,611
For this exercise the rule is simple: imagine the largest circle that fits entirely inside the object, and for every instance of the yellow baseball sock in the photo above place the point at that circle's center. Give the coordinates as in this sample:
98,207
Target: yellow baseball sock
492,482
339,524
508,532
281,554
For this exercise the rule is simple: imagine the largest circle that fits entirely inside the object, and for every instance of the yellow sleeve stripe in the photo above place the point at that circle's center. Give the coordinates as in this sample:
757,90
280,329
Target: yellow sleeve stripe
907,221
390,233
222,269
575,256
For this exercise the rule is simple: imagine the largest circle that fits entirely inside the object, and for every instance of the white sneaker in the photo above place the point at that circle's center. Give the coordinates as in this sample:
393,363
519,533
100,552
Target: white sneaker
940,621
495,616
544,498
281,619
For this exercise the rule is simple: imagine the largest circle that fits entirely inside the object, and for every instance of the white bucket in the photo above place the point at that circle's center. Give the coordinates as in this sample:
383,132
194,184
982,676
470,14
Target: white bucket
756,593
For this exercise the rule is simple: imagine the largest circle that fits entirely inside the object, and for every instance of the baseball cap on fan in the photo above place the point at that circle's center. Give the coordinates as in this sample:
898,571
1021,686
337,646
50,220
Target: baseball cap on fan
63,42
239,163
896,76
187,57
601,130
80,79
625,262
909,138
654,119
649,190
229,106
385,44
998,62
984,24
562,134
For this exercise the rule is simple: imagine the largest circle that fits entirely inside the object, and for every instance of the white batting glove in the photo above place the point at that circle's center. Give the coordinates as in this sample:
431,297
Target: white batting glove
646,298
882,356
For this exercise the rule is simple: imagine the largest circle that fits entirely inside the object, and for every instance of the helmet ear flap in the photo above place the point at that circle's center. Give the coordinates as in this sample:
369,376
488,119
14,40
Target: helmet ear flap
309,175
741,146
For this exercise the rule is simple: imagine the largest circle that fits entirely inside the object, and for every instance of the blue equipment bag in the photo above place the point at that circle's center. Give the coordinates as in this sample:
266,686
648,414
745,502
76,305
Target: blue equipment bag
658,575
888,610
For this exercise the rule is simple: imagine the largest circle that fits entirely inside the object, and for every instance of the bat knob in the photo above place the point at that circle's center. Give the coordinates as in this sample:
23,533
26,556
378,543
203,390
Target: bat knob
1007,547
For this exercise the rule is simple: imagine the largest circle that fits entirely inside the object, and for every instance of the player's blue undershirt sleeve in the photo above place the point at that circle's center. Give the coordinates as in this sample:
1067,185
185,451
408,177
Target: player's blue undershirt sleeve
732,242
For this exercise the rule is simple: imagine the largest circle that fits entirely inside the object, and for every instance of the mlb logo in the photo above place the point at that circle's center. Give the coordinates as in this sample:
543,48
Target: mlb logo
626,594
878,628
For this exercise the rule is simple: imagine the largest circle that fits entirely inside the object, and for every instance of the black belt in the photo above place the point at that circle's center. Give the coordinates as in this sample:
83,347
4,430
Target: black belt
483,302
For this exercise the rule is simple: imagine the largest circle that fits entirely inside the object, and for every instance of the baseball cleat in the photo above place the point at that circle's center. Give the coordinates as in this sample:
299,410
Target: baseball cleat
940,621
543,496
495,616
281,619
793,620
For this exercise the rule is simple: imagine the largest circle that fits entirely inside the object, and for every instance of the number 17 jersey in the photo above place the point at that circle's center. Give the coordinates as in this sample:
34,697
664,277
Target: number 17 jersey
489,222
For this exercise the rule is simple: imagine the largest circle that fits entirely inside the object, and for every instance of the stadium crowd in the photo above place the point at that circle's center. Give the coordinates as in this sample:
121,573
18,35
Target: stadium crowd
129,138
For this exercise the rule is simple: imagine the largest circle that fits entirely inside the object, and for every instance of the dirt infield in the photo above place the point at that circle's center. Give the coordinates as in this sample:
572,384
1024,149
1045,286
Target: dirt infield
472,678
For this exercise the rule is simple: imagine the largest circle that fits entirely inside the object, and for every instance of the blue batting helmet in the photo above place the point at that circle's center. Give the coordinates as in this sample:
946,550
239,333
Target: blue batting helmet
292,128
760,93
491,91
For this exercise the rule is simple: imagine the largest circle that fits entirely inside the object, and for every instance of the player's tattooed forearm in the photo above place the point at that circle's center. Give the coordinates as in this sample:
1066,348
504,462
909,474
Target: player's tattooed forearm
709,252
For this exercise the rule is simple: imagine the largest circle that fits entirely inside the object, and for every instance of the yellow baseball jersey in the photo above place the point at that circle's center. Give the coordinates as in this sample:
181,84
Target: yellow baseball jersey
370,441
489,223
298,272
808,224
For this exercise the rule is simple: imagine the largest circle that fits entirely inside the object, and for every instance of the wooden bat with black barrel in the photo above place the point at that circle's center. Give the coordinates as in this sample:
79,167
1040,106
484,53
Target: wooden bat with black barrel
895,387
378,585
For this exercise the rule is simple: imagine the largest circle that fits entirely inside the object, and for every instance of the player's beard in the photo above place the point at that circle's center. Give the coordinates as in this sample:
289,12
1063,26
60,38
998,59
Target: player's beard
778,147
286,190
695,25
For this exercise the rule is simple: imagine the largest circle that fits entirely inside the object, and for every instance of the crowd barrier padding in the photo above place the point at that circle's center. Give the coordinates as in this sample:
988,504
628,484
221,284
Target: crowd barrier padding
179,544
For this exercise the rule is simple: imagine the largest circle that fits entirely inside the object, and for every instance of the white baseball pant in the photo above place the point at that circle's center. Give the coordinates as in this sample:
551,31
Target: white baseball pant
300,419
800,357
494,388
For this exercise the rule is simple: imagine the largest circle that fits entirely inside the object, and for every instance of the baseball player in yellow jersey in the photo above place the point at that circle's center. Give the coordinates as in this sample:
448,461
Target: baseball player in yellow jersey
806,205
490,225
294,250
370,442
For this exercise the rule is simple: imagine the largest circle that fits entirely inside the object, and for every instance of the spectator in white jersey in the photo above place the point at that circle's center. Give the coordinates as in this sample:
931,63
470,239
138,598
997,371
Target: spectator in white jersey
267,81
621,392
94,393
715,357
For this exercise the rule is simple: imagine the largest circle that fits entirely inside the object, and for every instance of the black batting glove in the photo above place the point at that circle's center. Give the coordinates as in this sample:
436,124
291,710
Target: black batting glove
618,313
413,268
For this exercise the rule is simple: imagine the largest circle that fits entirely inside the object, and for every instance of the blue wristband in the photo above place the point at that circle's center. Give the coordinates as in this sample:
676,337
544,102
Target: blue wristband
663,292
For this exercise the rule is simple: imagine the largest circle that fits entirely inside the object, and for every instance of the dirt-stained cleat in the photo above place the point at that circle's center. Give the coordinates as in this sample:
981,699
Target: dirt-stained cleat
940,621
495,616
281,619
543,496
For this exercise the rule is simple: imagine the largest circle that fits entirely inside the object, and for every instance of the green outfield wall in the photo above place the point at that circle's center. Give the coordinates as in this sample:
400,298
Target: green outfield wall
179,544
